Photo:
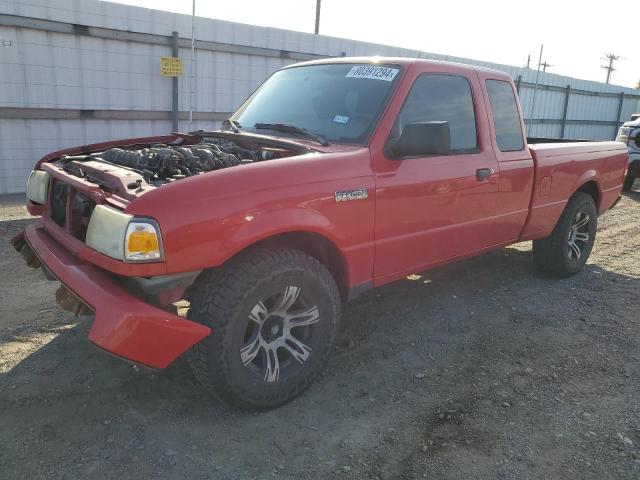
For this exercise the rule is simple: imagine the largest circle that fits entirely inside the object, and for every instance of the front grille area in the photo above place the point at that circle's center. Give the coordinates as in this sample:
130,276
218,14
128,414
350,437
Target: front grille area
58,207
80,212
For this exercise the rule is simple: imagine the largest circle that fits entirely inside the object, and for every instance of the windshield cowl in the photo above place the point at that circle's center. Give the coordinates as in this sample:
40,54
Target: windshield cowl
276,138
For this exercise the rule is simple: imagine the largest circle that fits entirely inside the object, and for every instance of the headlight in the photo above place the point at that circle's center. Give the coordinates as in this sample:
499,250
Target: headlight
124,237
38,186
623,134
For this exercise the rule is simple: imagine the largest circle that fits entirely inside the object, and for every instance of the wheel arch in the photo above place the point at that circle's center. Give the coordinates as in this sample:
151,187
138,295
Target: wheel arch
312,243
316,245
591,187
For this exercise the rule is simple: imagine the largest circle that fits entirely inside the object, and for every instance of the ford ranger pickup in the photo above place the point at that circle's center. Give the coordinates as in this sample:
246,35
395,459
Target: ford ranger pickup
335,176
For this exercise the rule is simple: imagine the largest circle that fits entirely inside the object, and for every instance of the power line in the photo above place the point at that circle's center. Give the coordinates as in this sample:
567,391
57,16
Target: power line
544,66
610,68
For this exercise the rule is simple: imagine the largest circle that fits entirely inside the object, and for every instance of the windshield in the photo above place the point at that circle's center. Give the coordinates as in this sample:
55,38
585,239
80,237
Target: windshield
339,102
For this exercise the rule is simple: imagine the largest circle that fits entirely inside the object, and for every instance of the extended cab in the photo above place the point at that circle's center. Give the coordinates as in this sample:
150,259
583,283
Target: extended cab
335,176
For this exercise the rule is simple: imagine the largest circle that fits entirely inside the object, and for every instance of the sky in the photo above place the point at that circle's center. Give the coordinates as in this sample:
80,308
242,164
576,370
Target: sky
576,34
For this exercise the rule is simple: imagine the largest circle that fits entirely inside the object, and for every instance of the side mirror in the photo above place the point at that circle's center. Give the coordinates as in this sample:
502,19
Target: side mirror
422,139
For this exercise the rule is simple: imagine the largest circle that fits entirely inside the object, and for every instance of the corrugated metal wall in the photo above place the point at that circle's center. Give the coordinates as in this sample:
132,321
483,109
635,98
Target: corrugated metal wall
103,82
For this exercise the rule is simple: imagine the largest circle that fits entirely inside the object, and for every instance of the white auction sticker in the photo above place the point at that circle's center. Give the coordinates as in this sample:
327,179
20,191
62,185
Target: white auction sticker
374,73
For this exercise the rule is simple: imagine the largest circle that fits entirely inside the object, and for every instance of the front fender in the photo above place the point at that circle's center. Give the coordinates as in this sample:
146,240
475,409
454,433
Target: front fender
207,219
268,224
348,227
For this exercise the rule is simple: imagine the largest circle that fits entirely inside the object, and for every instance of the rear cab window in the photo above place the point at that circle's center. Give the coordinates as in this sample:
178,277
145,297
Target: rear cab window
506,118
442,97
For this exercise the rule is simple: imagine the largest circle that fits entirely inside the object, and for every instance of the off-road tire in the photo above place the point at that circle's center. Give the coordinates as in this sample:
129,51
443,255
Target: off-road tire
629,180
222,300
551,254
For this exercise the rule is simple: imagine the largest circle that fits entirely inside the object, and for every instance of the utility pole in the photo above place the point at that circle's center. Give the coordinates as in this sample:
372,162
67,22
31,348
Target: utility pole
528,61
544,66
610,68
317,30
193,59
175,110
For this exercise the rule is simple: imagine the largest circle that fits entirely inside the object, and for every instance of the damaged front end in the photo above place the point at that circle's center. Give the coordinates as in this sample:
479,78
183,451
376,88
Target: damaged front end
111,262
65,298
22,247
124,324
162,291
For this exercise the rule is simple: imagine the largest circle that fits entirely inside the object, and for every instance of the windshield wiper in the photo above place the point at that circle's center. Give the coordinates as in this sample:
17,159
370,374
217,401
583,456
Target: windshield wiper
235,126
287,127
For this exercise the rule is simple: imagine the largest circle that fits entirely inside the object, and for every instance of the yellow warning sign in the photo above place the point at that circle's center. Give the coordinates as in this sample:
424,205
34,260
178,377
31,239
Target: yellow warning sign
171,67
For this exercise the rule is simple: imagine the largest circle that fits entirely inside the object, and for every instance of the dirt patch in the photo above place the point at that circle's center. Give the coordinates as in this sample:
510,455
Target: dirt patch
482,369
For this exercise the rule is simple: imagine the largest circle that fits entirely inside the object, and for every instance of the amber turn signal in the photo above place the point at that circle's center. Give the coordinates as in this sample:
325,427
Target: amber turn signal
142,242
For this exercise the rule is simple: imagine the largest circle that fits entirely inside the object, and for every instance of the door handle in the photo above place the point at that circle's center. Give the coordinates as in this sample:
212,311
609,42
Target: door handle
484,173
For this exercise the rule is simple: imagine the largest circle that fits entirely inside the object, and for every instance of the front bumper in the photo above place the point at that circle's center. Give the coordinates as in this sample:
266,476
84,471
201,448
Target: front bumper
124,325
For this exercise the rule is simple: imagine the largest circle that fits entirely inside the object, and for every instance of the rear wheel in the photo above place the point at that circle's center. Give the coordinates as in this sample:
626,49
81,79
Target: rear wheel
273,316
565,251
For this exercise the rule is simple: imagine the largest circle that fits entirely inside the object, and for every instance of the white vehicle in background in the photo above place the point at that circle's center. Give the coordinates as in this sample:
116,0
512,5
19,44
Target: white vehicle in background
629,133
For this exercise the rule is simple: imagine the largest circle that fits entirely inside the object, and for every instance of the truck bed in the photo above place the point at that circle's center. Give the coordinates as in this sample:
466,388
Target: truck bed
560,168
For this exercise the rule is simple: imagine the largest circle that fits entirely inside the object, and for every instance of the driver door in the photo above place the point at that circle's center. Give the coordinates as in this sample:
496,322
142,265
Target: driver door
430,209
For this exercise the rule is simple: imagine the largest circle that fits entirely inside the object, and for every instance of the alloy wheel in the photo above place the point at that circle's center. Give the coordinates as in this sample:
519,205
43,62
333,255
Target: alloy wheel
278,334
578,235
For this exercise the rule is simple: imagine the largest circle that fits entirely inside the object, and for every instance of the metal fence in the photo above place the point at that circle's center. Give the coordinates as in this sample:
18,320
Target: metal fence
81,72
560,111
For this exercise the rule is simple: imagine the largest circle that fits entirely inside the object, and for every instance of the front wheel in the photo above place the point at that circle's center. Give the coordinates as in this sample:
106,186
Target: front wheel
273,316
628,182
565,251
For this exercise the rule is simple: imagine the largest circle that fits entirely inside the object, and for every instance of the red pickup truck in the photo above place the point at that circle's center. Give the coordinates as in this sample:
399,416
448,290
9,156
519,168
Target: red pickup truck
334,177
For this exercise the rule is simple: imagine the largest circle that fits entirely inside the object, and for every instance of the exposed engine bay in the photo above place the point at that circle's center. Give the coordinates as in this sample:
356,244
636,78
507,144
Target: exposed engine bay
130,171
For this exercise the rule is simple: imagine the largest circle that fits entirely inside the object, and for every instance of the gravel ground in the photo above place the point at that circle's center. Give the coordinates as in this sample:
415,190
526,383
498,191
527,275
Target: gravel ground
482,369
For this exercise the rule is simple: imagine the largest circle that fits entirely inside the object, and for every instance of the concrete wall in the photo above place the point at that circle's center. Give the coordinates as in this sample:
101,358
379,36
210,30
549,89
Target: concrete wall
88,71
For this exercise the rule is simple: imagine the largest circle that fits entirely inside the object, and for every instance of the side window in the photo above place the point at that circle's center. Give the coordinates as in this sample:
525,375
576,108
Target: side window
505,116
436,97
